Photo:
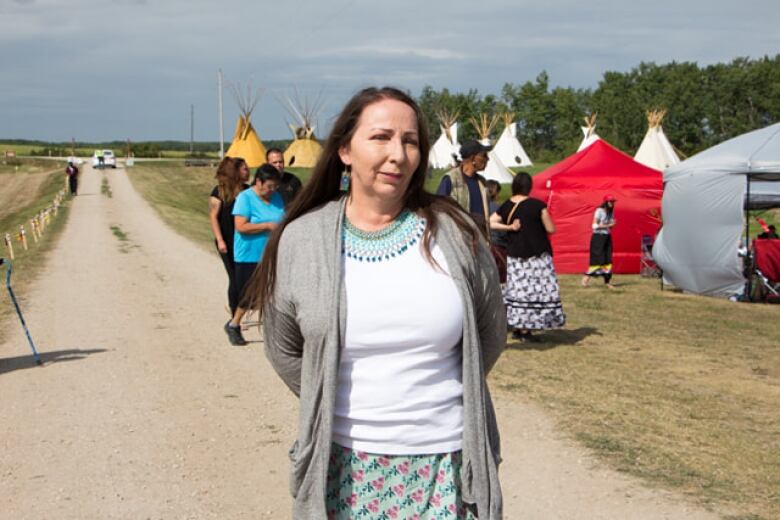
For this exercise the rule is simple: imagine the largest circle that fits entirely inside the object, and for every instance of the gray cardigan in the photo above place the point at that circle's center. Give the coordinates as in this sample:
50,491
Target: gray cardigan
304,328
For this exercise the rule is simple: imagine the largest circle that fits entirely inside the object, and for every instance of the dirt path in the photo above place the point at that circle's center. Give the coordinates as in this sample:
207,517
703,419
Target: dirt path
142,410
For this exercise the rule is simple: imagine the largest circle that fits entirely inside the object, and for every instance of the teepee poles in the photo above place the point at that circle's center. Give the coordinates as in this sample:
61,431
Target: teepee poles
484,125
590,125
447,119
246,104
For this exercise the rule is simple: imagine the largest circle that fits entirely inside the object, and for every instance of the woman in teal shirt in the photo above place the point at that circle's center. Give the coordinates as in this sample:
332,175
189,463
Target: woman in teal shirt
257,212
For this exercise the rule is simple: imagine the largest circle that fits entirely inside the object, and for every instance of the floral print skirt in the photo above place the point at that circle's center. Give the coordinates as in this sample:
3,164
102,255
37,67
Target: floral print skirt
374,486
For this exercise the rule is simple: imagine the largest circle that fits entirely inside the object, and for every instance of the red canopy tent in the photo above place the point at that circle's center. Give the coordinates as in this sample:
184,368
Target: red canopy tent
573,189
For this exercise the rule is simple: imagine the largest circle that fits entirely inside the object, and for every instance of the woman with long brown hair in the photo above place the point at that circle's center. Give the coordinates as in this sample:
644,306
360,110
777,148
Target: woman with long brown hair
383,314
232,174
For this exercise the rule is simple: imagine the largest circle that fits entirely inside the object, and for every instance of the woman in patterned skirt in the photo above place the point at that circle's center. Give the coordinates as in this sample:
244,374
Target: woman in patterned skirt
383,314
531,294
600,263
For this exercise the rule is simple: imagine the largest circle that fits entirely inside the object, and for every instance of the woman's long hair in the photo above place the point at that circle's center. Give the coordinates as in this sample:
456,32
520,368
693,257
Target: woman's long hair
324,183
609,209
228,178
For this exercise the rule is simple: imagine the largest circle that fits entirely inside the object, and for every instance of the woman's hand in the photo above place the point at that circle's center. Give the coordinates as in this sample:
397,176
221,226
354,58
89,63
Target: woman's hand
497,223
243,226
222,246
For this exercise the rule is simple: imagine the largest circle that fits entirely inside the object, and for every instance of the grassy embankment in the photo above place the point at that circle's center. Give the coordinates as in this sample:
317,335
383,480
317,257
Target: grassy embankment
679,390
24,191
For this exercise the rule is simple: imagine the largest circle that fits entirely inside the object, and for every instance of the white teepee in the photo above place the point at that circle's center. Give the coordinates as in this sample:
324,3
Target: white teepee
446,147
508,148
656,151
589,132
495,169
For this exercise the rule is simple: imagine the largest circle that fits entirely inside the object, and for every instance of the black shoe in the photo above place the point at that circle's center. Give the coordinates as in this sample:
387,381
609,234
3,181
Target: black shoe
525,337
234,335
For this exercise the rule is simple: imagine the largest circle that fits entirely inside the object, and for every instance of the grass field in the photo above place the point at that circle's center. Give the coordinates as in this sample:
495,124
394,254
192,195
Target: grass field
24,191
681,391
26,149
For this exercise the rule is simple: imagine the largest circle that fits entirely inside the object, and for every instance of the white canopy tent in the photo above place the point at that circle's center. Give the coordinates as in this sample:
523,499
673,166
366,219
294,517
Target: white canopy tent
703,207
508,148
656,151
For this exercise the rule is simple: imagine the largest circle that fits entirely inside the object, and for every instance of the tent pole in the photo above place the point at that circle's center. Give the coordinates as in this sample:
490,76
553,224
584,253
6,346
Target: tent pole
749,257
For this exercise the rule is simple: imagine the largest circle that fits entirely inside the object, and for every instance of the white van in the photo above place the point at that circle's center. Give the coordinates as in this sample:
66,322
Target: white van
109,161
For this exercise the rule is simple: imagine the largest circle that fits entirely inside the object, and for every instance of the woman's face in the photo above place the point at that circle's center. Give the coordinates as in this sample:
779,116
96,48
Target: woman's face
266,188
384,151
243,172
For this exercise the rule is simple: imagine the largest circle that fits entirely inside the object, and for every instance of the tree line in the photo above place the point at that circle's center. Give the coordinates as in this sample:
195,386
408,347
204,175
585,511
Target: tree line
138,149
706,105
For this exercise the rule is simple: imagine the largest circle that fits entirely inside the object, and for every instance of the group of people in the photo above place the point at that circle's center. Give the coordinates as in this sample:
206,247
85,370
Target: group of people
519,231
383,311
242,218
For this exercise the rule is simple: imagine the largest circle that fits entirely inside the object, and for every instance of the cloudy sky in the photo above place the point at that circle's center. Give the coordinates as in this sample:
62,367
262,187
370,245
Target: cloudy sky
118,69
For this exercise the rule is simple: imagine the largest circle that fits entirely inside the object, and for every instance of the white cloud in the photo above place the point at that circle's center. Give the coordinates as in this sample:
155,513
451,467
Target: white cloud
147,61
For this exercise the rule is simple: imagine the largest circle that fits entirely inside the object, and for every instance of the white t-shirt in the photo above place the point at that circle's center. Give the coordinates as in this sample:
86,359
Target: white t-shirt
400,389
601,218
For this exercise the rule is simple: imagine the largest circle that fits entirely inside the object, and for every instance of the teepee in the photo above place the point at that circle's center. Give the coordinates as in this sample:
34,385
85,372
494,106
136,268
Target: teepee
304,150
656,151
589,132
495,169
246,143
508,147
446,147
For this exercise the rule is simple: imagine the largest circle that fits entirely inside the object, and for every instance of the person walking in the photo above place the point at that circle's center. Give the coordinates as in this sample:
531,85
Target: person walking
383,313
532,294
232,176
601,243
73,178
257,212
497,237
289,185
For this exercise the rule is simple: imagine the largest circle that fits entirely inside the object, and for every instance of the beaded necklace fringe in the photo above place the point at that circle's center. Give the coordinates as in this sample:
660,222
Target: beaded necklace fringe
387,243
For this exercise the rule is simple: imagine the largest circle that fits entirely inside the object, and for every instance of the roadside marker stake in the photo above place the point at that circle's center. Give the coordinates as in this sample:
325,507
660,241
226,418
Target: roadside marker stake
18,310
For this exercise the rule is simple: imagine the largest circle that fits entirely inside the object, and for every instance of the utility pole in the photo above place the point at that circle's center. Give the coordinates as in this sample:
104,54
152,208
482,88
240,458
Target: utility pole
192,127
221,129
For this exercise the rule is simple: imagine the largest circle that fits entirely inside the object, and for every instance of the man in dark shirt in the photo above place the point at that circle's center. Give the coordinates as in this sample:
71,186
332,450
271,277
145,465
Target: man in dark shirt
466,186
73,178
290,185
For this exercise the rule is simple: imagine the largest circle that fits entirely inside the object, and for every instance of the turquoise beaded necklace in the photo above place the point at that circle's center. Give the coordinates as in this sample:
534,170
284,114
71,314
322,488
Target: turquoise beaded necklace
387,243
